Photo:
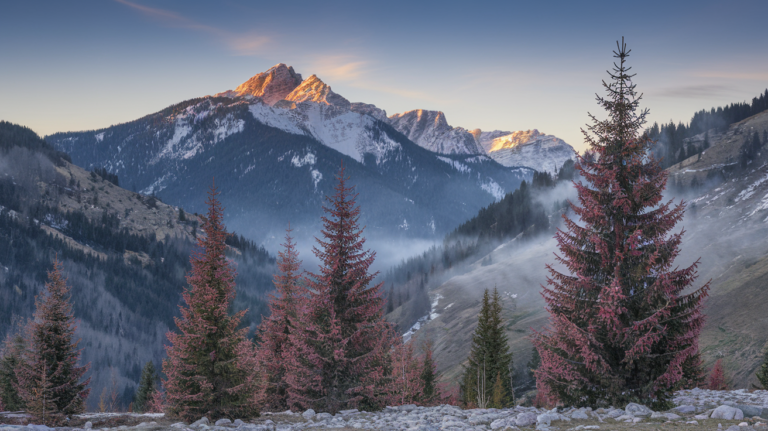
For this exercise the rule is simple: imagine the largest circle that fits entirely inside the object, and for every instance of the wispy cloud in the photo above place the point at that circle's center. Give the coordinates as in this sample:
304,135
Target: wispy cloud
694,91
249,43
742,76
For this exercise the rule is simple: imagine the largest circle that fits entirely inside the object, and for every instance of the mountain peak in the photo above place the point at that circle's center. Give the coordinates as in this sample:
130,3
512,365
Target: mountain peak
514,139
271,86
313,89
430,129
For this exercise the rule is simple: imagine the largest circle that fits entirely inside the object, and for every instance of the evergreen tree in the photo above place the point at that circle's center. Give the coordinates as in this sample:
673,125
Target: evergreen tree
10,360
429,376
762,373
275,330
49,378
490,361
705,145
340,352
147,388
211,367
621,328
717,377
406,386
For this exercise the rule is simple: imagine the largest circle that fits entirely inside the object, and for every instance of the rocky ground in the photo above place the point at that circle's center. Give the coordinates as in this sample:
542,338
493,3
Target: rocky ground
695,410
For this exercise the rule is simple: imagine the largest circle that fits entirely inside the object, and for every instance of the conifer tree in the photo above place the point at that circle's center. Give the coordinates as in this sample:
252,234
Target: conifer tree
49,377
762,373
147,388
10,360
621,327
717,377
490,361
429,376
407,386
341,350
274,330
211,367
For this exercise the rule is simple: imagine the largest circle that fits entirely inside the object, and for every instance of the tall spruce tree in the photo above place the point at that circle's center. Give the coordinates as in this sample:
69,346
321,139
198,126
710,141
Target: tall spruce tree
211,367
49,377
341,349
621,327
489,365
275,329
147,388
429,376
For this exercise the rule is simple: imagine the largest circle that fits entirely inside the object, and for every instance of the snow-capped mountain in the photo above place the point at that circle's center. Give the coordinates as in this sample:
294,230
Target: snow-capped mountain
529,148
274,146
430,130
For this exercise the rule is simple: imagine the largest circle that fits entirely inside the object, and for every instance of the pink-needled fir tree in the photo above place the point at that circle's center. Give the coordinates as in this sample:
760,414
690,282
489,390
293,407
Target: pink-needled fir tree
340,352
211,367
624,322
274,330
49,377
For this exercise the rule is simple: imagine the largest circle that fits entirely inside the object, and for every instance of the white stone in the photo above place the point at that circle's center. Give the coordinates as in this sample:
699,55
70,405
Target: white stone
221,422
727,413
88,425
638,410
526,419
579,414
309,413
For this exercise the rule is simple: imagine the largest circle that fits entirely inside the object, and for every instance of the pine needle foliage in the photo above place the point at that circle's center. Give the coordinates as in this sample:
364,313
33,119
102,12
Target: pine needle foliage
49,377
762,373
147,387
717,377
622,328
275,330
341,350
489,365
211,367
10,361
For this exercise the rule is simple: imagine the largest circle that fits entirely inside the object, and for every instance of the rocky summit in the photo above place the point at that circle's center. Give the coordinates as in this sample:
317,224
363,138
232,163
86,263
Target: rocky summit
695,409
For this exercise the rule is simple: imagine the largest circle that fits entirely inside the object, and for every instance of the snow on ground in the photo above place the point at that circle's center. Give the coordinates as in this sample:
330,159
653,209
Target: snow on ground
99,137
423,320
308,159
749,191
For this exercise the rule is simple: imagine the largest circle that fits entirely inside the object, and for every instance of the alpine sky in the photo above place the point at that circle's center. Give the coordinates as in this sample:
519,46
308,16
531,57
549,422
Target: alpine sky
508,65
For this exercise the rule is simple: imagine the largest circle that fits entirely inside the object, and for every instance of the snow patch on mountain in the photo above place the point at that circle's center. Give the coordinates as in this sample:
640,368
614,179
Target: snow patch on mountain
99,137
180,131
494,189
227,126
316,177
749,191
423,320
308,159
461,167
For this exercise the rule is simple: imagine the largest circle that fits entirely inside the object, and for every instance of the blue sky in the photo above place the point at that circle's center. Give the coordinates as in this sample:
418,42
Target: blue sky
511,65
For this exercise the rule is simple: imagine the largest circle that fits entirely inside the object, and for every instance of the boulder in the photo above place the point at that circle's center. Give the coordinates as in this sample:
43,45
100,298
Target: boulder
685,409
202,421
750,411
525,419
222,422
727,413
638,410
88,425
308,414
579,414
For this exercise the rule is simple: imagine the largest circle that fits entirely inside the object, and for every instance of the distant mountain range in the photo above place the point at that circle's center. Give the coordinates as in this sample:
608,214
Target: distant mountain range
275,143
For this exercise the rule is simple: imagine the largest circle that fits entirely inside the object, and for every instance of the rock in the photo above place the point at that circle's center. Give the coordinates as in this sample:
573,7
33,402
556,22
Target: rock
579,414
692,422
733,428
701,417
179,425
239,422
749,411
525,419
202,421
38,427
592,427
727,413
348,412
308,414
222,422
323,416
658,415
615,413
685,409
547,418
638,410
743,424
407,407
88,425
671,416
